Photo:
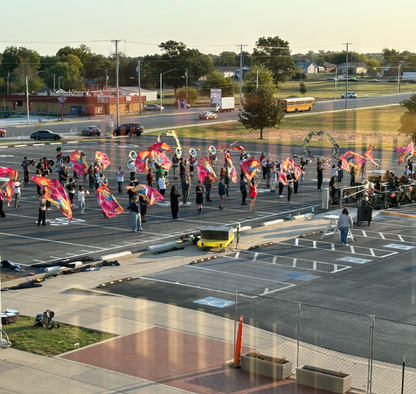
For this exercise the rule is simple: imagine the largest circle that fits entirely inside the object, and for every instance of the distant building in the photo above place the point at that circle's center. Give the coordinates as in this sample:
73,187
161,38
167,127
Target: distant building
329,66
230,71
308,67
356,67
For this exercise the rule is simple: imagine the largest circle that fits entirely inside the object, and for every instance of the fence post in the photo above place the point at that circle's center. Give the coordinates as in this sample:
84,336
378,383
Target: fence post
298,337
370,356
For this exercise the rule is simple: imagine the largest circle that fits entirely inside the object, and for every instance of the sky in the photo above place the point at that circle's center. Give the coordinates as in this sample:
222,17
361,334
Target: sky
210,26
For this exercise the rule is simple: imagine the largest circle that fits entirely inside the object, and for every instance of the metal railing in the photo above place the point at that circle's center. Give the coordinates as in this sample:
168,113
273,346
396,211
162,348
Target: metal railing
372,350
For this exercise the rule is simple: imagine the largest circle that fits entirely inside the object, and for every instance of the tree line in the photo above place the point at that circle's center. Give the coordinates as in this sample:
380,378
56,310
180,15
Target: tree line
71,66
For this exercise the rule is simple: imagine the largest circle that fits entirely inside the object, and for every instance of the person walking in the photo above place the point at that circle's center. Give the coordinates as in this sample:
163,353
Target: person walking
289,187
273,178
91,176
143,208
253,194
120,179
320,173
42,210
208,184
16,191
136,220
295,183
71,190
131,193
340,170
174,202
243,188
25,165
186,185
2,195
222,192
175,165
199,196
150,178
81,200
162,185
302,166
344,224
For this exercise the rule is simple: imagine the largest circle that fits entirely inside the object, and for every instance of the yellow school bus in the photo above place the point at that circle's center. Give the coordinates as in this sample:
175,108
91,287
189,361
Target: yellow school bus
297,104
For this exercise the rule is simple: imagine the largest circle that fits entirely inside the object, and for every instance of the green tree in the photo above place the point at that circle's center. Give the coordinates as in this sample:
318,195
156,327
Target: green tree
216,80
408,119
192,94
228,58
373,67
13,56
302,88
264,78
260,111
18,79
274,54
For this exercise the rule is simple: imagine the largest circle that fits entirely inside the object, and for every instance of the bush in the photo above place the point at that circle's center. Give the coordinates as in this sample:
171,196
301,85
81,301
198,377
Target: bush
276,360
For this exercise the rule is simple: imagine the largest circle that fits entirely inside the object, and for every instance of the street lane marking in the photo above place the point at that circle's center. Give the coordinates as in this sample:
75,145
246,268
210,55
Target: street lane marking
382,236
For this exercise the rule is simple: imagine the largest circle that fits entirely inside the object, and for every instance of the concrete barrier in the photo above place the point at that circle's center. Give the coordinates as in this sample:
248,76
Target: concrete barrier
115,255
272,222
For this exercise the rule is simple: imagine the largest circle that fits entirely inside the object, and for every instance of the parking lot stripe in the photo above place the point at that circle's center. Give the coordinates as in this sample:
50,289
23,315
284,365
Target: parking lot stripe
332,246
288,285
372,252
274,260
401,238
255,256
314,244
364,233
382,236
353,250
294,262
230,273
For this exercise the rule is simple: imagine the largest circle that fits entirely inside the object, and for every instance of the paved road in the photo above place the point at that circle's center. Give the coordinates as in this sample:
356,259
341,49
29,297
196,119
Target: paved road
91,234
172,117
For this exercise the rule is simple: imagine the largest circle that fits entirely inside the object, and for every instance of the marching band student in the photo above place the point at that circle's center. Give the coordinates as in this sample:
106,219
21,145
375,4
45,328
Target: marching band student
208,184
253,194
320,173
295,184
199,196
243,188
273,180
120,179
289,187
280,184
221,192
302,165
2,195
16,191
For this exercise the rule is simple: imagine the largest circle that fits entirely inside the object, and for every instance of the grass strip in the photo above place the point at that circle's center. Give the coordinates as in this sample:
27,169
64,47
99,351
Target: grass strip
39,340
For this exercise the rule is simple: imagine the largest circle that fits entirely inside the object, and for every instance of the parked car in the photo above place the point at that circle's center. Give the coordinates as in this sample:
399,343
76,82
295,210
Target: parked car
153,107
332,79
45,135
128,129
175,105
91,130
207,115
3,133
352,80
349,95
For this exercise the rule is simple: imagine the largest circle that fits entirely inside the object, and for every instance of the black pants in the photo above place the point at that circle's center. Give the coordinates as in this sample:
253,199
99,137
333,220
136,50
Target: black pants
289,191
320,179
132,173
243,196
26,176
340,175
295,186
175,209
162,192
42,216
264,172
207,193
280,188
2,214
185,195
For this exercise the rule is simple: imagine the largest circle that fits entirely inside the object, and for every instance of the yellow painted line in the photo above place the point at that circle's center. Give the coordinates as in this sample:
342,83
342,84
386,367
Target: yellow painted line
396,214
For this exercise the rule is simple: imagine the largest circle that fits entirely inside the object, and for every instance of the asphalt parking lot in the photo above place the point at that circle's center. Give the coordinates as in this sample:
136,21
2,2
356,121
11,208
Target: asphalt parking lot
91,234
372,275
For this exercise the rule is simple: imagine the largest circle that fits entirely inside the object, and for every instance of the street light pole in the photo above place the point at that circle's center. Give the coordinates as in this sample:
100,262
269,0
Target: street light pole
398,78
160,82
140,88
59,83
186,81
27,99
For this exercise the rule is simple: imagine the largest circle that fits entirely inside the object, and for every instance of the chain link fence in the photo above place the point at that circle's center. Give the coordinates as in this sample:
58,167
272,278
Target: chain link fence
379,354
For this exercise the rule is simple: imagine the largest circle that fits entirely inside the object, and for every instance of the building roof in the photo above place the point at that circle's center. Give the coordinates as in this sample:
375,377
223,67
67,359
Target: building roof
329,65
305,64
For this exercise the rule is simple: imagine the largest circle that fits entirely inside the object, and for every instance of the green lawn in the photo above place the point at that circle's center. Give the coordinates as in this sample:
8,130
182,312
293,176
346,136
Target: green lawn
50,343
360,127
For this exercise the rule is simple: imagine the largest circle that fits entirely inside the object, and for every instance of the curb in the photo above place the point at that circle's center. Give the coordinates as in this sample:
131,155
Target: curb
115,255
396,214
272,222
304,216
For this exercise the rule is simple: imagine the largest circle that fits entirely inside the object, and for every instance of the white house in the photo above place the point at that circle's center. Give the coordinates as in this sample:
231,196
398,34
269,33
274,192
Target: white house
308,67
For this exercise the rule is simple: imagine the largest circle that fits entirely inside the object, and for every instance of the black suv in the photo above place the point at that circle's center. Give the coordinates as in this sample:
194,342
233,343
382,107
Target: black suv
129,129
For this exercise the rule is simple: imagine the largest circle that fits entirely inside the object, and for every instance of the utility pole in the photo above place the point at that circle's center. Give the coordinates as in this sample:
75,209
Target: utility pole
106,82
186,83
117,85
140,87
241,75
346,80
54,83
398,78
8,81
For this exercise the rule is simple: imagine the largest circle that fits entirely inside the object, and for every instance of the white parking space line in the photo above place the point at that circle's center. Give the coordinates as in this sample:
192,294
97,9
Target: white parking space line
255,256
195,287
288,285
382,236
372,252
401,238
292,263
364,233
353,250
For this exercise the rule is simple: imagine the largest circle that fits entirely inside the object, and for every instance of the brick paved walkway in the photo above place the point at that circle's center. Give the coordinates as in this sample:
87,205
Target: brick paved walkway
184,361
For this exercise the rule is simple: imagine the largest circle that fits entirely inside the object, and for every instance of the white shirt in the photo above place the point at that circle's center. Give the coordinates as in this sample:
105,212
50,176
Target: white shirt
16,189
161,183
335,171
81,195
120,175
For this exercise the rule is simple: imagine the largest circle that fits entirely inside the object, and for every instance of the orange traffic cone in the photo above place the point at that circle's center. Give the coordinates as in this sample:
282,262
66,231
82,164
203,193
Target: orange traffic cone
239,342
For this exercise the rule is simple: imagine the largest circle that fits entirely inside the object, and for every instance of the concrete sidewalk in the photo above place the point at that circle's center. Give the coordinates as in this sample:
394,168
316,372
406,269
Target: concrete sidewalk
160,348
